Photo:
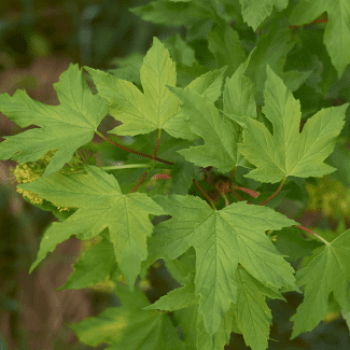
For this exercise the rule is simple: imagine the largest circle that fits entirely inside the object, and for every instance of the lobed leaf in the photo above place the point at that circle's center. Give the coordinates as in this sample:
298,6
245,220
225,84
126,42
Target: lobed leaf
101,205
155,108
287,152
222,240
328,272
254,12
90,268
65,127
129,327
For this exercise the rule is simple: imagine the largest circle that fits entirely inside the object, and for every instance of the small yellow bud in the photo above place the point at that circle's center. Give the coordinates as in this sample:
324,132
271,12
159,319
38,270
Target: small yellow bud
145,285
105,286
122,279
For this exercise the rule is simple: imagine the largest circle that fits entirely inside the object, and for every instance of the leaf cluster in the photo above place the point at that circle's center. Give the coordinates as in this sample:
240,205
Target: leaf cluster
212,141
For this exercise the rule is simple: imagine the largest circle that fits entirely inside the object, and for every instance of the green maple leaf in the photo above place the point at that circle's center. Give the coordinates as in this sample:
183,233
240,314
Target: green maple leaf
185,297
272,49
337,32
128,68
255,11
101,205
180,51
206,341
177,299
224,43
187,319
129,327
220,133
195,335
188,13
65,127
155,108
239,103
253,315
238,95
222,240
328,272
91,268
287,152
182,267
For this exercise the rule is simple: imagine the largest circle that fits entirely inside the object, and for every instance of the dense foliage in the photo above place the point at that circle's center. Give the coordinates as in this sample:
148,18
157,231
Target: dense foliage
252,100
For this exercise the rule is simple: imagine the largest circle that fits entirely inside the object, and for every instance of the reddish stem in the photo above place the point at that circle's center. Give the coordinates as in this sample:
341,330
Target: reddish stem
222,193
133,151
231,177
140,181
316,21
275,194
204,193
313,233
155,150
320,20
161,176
147,171
252,193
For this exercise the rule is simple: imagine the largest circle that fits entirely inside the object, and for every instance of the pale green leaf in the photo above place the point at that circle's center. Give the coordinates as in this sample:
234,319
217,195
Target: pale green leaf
206,341
155,108
238,99
328,272
129,68
253,315
177,299
185,297
129,329
254,12
101,205
140,112
239,103
207,85
65,127
287,152
222,239
219,132
94,266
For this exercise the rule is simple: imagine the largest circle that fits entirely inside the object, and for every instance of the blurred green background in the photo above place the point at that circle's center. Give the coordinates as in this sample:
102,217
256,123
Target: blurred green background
38,40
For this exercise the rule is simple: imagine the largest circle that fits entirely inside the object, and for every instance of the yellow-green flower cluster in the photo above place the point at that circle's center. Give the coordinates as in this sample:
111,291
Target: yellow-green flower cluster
105,286
29,172
332,197
76,164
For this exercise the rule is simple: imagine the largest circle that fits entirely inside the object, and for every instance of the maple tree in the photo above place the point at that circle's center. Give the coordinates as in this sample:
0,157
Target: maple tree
241,122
